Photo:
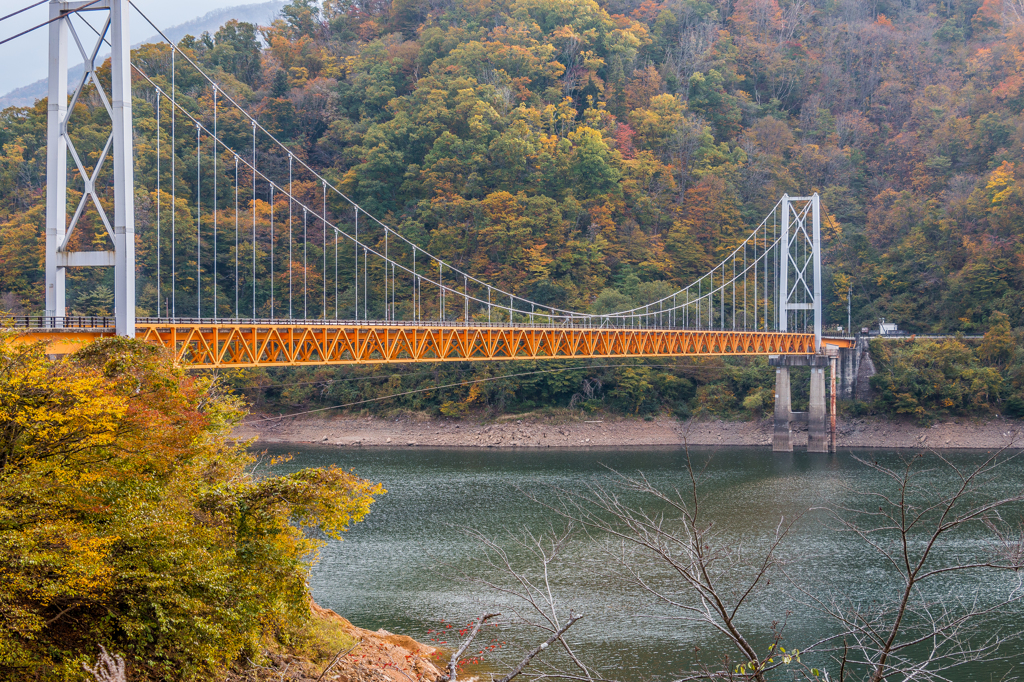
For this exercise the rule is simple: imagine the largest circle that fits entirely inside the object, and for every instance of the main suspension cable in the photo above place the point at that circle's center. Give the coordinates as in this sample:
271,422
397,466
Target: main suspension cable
174,191
63,15
159,207
442,287
23,9
199,222
216,309
632,312
236,238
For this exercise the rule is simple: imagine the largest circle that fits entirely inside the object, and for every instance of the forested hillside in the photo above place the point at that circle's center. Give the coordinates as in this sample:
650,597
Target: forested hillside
560,147
586,153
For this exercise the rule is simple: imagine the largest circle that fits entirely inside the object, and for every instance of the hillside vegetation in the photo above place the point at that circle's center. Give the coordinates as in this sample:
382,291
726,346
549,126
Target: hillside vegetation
590,154
922,381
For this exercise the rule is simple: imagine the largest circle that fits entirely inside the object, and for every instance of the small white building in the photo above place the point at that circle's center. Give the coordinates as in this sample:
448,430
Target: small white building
887,328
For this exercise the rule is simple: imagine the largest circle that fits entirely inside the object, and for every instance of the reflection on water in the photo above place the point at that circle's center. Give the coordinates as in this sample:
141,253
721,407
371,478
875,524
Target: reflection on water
404,568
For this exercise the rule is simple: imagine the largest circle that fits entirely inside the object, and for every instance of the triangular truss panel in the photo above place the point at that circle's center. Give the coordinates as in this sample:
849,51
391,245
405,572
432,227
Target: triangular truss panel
273,345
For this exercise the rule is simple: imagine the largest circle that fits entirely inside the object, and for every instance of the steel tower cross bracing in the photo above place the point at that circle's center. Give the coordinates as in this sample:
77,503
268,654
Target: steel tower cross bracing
121,231
800,290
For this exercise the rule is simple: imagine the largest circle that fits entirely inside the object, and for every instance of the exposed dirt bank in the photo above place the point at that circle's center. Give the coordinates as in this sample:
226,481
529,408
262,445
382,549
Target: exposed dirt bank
376,657
534,431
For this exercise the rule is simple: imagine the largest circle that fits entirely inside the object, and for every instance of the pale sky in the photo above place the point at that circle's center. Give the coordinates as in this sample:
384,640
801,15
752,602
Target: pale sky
23,60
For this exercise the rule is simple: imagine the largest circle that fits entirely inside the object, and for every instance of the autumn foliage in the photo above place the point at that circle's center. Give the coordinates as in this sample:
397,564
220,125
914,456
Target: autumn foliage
559,148
130,518
586,155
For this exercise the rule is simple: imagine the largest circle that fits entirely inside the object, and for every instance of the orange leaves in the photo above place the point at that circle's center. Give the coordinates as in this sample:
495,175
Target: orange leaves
757,16
1001,64
989,15
126,503
624,140
295,53
1009,87
712,213
602,222
644,85
884,21
648,11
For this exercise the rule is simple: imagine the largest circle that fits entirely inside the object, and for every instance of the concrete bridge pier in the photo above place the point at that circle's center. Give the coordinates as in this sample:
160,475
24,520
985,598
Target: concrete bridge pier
815,417
782,439
817,436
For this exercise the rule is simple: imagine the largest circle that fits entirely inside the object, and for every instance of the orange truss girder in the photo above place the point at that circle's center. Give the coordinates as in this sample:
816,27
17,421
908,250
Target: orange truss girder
283,345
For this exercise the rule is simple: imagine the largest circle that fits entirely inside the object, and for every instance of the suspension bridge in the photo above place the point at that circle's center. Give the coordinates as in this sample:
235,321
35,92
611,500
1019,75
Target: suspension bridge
261,260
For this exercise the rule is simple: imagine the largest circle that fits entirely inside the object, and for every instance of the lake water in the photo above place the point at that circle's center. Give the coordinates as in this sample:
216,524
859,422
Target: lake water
411,568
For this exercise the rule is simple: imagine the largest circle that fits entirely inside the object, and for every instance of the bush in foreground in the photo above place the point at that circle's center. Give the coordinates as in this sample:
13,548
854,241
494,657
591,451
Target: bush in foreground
130,518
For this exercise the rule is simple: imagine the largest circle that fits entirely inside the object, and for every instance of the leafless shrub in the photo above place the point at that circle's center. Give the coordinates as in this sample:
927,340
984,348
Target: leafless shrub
588,390
10,304
1012,12
715,578
453,664
693,51
922,627
917,517
534,601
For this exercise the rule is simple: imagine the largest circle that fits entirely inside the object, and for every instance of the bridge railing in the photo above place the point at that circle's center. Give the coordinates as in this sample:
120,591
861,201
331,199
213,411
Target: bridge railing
56,323
83,322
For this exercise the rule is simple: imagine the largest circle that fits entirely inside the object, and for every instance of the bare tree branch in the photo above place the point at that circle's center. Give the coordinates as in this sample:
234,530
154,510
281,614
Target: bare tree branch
544,645
453,664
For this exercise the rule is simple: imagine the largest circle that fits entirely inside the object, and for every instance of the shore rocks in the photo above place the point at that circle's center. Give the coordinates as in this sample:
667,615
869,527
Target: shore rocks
662,431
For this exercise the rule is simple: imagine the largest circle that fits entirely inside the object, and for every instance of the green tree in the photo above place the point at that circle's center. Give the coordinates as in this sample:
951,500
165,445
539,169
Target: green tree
98,301
591,166
610,301
999,343
634,390
238,51
932,378
129,517
708,96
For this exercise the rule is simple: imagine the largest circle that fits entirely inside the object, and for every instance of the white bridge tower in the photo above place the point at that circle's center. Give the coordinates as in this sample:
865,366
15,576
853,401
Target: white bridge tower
799,296
118,149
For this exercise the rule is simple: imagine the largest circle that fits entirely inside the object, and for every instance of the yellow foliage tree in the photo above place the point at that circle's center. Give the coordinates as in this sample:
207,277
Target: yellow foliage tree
130,518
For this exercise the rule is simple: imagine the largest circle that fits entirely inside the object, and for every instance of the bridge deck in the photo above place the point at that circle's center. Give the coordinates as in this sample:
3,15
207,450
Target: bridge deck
280,343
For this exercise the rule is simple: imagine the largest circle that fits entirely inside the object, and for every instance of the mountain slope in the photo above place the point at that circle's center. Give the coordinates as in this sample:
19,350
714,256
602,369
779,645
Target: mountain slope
258,13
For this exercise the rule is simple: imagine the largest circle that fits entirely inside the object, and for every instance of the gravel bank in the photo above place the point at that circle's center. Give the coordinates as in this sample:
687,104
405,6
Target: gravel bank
531,431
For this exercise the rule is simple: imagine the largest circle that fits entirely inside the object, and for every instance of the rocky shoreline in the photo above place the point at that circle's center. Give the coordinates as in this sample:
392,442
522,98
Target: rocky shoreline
547,431
375,656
